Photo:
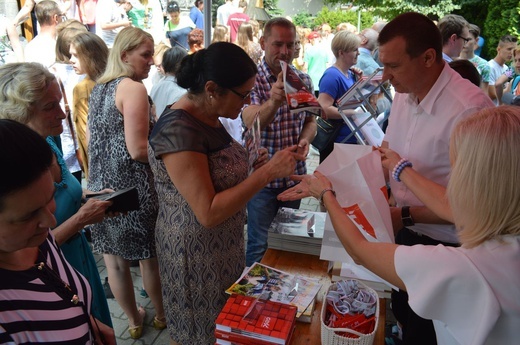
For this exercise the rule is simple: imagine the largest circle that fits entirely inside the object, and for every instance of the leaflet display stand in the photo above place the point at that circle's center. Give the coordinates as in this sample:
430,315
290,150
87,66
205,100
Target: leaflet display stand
364,126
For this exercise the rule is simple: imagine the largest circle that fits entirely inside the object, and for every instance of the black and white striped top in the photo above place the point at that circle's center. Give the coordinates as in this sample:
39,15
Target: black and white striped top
35,307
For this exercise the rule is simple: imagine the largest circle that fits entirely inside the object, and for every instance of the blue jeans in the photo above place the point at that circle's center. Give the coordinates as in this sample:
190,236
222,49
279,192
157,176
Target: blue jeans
261,210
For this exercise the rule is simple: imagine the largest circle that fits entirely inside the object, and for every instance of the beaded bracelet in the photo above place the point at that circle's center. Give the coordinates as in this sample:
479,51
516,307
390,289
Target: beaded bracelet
323,193
398,168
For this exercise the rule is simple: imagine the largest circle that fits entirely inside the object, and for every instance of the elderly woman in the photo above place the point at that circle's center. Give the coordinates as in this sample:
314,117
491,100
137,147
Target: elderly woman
336,80
120,120
201,175
31,95
470,292
36,278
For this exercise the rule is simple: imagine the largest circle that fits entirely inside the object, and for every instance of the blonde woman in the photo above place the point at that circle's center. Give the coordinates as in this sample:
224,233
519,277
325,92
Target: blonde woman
471,292
119,122
245,41
220,34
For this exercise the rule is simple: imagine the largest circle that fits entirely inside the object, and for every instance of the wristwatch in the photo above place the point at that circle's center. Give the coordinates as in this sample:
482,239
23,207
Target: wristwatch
406,217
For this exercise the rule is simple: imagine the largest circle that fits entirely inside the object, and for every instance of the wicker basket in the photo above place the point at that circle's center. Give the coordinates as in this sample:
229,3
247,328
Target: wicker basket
329,336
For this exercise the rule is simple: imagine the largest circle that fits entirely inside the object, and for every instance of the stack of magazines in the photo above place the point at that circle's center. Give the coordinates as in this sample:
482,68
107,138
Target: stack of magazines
297,231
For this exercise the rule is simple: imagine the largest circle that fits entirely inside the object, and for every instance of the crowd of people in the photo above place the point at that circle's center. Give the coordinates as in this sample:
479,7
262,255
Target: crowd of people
126,100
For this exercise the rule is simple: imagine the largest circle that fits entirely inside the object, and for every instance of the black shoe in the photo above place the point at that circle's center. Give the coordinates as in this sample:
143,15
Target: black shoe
108,291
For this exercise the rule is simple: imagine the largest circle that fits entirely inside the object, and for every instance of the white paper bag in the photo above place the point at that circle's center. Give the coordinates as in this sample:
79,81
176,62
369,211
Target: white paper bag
357,176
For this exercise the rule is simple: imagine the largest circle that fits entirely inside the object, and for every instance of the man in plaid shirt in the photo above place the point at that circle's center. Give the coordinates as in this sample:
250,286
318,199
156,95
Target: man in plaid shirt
279,129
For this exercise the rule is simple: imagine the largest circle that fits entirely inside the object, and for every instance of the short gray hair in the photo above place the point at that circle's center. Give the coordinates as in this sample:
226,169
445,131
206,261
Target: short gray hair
22,85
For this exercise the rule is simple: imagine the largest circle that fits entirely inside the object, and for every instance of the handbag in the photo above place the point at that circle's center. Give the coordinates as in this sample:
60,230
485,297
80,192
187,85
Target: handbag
327,131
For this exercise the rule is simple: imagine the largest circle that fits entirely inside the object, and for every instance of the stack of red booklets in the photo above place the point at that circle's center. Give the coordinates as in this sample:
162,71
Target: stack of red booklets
246,320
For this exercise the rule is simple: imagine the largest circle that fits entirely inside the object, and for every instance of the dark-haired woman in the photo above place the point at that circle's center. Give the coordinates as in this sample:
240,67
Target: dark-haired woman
201,176
166,91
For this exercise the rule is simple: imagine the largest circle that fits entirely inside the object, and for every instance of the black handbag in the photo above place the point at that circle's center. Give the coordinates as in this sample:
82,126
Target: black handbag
327,131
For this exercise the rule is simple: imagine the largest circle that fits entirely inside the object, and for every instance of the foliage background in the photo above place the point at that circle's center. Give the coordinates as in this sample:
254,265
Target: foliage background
494,17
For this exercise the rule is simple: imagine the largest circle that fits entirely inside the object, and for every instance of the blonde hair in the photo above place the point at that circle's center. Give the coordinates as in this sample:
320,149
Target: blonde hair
219,33
482,190
22,85
127,40
345,41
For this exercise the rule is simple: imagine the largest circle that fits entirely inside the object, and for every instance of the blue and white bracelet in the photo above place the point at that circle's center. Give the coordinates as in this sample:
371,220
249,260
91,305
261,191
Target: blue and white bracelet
398,168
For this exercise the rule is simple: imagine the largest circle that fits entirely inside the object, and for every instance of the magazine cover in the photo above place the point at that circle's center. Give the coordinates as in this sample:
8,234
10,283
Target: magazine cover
267,283
252,141
299,97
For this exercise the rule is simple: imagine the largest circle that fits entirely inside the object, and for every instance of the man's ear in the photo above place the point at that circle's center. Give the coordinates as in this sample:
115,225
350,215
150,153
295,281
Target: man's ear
430,57
262,43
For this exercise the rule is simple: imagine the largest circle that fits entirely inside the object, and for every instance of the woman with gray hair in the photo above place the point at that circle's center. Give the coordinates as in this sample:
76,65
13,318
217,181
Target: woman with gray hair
336,80
31,95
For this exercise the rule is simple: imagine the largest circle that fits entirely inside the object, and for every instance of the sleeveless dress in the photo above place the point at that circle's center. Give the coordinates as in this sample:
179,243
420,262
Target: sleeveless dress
196,264
129,236
76,249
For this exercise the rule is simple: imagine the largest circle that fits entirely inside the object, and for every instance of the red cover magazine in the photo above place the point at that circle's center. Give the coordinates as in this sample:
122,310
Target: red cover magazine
248,320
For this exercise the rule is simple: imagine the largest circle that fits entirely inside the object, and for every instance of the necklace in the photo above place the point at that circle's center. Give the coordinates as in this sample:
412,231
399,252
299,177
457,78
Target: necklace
63,289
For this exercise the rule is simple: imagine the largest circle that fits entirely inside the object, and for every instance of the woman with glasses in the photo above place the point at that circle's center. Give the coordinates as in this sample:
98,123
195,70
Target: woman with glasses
201,176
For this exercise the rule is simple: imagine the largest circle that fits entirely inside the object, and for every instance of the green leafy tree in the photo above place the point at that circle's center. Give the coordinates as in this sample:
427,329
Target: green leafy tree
333,18
271,7
388,9
304,19
502,19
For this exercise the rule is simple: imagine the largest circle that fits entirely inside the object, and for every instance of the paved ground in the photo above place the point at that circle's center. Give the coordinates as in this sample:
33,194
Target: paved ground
150,335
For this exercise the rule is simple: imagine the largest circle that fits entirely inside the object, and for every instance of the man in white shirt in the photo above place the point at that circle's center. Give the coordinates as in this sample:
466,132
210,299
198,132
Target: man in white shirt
225,10
430,99
110,19
497,67
42,48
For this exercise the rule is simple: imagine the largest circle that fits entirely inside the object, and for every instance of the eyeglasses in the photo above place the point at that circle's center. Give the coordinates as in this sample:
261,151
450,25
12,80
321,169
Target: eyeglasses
466,40
243,96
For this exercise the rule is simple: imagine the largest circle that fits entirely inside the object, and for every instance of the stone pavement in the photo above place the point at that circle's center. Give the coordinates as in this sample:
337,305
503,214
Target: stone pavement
150,335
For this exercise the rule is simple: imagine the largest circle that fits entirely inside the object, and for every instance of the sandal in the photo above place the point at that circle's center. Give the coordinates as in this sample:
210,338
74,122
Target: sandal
137,331
159,324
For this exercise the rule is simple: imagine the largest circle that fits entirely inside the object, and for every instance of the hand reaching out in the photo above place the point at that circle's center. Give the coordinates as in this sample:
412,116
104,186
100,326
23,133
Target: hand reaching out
310,185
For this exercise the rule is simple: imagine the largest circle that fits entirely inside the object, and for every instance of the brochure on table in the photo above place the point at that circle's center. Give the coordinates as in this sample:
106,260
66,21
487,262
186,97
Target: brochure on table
267,283
357,176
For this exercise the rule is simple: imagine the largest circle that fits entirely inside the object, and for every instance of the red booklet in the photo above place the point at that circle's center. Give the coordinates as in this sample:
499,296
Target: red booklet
248,320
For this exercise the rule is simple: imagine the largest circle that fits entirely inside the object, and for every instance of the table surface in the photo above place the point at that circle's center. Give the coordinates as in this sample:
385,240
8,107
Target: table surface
312,266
